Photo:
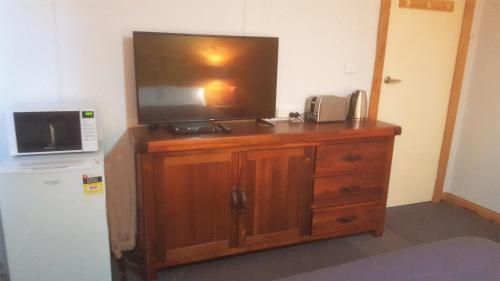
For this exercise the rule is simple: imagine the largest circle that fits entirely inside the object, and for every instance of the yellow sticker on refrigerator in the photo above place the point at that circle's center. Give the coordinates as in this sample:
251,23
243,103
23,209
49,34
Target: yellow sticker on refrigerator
92,184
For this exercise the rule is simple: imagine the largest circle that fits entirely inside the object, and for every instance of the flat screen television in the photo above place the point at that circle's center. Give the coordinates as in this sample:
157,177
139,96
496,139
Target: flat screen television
189,77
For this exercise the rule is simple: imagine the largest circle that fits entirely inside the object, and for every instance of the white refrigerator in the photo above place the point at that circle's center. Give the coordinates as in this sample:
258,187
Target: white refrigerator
53,213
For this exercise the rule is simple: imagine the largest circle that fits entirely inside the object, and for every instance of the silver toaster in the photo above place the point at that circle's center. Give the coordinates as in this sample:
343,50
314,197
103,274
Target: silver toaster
326,108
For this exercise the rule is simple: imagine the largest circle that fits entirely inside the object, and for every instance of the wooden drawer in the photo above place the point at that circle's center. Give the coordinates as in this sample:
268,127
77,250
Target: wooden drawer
348,189
345,220
351,157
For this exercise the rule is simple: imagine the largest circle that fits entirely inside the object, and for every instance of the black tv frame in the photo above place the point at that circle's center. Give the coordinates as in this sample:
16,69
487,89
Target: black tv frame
256,117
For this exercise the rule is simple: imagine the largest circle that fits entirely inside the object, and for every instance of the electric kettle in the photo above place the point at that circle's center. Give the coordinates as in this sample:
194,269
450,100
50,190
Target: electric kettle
358,106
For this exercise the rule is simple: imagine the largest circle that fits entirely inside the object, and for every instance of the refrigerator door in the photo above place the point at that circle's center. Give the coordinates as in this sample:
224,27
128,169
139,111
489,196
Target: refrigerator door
53,228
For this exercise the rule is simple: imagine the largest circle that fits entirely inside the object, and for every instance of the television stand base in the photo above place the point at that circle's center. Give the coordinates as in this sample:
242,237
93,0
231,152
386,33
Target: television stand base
153,127
260,120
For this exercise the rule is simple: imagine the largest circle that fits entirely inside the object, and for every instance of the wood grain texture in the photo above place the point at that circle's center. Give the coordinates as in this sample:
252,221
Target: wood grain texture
357,156
266,242
192,253
147,213
246,134
348,189
431,5
337,221
456,89
273,181
478,209
235,221
378,68
192,205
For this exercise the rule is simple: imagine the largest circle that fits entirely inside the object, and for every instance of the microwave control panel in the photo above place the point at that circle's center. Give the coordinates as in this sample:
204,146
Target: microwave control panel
89,131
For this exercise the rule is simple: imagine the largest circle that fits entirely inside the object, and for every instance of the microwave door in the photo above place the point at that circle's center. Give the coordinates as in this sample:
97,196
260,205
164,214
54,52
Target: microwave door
52,143
43,132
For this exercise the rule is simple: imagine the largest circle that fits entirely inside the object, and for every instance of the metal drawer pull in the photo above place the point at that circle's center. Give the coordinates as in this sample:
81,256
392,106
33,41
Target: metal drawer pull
347,220
234,200
350,188
352,157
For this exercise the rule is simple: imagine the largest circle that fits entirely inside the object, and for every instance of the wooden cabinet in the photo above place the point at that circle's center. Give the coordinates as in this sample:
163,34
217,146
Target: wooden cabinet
350,187
337,221
351,156
192,208
275,183
208,196
206,203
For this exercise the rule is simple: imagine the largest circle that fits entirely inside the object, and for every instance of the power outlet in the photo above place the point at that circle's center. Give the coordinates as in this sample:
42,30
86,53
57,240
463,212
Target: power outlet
350,68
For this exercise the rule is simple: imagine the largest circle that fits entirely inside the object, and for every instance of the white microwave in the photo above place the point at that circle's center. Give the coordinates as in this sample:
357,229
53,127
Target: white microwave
52,129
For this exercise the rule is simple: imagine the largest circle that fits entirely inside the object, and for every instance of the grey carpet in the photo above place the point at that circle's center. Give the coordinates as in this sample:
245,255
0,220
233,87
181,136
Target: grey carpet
405,226
453,259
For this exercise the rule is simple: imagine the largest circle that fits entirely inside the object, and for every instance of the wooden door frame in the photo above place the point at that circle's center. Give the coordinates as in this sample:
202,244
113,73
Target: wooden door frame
456,86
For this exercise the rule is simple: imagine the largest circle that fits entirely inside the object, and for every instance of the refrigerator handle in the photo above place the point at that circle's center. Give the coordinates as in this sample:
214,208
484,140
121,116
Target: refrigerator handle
51,182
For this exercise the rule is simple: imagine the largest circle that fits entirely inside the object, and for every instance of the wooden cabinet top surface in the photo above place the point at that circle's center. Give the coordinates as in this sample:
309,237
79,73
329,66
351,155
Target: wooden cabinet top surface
248,133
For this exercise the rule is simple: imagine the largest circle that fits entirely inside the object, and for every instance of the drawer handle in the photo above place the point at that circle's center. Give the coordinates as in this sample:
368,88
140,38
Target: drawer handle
350,188
347,219
352,157
234,200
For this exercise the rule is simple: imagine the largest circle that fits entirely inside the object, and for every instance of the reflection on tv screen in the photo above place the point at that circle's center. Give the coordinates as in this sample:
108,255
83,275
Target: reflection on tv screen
183,77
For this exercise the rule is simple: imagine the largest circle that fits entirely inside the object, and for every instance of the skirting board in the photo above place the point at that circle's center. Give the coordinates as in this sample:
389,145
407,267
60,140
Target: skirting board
480,210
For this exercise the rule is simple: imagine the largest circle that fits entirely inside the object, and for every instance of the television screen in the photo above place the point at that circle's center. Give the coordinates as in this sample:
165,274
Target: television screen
184,77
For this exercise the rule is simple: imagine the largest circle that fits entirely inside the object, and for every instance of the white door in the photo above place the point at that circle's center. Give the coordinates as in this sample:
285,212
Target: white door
421,50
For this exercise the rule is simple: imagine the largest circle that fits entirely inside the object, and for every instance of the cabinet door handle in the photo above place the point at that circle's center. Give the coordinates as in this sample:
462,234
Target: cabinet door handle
352,157
347,219
244,203
350,188
234,200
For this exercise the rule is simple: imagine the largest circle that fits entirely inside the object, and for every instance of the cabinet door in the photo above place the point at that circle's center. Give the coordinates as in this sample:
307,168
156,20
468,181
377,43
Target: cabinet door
276,192
193,206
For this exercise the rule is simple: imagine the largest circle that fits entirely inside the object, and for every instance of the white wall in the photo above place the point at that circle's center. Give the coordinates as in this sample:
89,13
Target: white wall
63,50
473,172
